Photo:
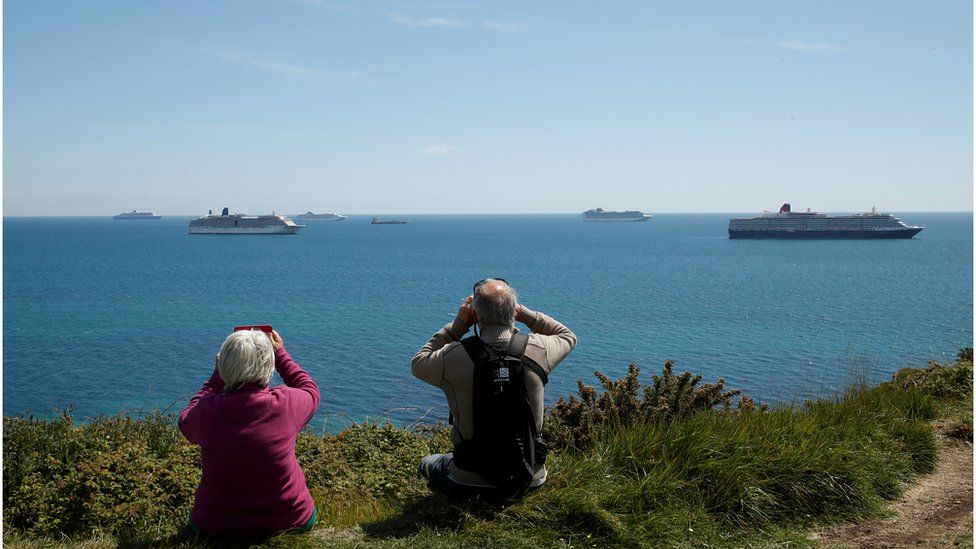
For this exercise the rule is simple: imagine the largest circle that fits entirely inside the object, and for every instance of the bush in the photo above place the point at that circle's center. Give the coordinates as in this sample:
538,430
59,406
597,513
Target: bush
359,472
953,381
577,423
118,476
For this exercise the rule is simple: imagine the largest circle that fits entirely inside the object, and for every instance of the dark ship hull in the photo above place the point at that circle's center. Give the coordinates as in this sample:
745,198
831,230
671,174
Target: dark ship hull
825,235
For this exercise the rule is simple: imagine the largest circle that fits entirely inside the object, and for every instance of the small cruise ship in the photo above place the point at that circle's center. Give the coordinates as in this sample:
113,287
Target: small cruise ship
789,224
138,215
238,223
599,214
378,221
328,216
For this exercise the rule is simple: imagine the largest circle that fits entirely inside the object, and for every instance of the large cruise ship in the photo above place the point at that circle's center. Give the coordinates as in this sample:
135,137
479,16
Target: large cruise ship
238,223
599,214
328,216
138,215
790,224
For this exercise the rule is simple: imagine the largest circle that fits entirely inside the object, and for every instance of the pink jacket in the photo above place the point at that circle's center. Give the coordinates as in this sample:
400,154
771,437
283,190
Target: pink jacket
252,484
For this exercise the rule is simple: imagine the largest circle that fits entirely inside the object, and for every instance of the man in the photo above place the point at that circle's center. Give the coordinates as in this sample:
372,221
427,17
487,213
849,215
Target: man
446,362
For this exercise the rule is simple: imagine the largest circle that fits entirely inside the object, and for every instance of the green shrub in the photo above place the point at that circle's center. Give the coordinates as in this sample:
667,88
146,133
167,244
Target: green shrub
119,476
358,473
578,423
953,381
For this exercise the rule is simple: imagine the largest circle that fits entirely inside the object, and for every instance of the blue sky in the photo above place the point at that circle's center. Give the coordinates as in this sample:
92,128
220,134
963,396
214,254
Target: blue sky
436,107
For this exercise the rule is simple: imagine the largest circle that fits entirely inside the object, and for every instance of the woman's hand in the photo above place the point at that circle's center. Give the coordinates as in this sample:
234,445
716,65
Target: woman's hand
276,340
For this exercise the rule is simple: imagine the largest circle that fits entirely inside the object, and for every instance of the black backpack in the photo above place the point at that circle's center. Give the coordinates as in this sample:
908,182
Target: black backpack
505,448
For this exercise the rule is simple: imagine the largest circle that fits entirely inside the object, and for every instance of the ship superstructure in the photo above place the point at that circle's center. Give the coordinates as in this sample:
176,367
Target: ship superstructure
138,215
328,216
238,223
599,214
789,224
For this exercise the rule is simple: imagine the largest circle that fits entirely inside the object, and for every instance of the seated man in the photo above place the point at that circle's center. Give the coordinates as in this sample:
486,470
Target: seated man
494,388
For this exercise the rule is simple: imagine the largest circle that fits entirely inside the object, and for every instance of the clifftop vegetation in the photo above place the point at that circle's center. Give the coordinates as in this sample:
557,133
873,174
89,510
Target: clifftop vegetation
674,462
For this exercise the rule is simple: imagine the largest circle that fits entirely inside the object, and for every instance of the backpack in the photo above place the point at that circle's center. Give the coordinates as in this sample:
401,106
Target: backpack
505,448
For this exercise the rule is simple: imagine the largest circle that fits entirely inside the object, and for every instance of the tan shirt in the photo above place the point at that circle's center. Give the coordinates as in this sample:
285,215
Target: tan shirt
444,363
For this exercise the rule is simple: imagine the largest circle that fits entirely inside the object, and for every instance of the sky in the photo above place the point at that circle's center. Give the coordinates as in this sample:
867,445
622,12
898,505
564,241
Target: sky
496,107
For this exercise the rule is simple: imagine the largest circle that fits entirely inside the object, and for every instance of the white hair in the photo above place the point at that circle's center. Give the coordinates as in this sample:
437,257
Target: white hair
245,357
495,303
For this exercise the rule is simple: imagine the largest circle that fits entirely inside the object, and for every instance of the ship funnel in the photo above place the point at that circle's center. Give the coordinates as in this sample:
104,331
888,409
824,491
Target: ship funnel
225,212
785,208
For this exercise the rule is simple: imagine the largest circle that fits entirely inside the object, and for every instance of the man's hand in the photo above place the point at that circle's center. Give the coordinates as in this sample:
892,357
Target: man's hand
465,317
276,340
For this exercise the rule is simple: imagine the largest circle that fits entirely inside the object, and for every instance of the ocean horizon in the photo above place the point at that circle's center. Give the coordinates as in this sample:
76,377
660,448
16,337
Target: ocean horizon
466,214
109,316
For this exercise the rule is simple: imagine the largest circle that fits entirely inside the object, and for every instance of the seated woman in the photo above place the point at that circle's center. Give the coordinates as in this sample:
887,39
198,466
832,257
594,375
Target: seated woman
252,484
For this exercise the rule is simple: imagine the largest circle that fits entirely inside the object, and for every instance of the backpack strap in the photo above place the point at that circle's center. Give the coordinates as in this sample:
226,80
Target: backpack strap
516,348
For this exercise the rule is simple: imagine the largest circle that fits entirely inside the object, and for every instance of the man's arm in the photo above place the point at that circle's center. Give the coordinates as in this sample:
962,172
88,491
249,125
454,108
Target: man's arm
559,340
190,422
428,364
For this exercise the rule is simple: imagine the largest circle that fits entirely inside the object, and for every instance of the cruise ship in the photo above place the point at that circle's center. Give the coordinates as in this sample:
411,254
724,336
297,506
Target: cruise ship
238,223
378,221
790,224
599,214
138,215
328,216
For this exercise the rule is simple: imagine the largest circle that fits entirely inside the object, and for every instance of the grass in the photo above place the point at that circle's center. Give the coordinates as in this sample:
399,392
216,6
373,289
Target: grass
699,473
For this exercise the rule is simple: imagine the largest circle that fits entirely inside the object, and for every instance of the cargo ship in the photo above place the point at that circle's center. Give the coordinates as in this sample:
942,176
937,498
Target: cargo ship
789,224
599,214
238,223
138,215
378,221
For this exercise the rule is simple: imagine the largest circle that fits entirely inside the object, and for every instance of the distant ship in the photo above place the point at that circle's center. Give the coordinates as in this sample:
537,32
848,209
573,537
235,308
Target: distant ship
378,221
599,214
329,216
238,223
138,215
790,224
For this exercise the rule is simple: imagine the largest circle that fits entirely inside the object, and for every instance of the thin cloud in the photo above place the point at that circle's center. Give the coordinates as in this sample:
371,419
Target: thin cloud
441,149
813,47
292,72
182,129
496,26
405,21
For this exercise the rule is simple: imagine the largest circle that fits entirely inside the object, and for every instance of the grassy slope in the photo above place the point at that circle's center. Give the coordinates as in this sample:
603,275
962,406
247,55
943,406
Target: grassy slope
718,478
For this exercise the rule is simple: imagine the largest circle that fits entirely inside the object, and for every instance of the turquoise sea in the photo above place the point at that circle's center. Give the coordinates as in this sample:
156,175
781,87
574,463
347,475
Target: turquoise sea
109,316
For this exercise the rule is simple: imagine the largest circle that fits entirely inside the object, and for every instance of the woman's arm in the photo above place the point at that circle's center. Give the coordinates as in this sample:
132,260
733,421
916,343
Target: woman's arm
190,422
307,400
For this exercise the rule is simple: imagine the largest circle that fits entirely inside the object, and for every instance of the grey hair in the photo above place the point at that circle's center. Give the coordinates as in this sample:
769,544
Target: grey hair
245,357
495,303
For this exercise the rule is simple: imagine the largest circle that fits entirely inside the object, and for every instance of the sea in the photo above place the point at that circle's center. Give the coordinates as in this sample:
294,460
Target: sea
105,316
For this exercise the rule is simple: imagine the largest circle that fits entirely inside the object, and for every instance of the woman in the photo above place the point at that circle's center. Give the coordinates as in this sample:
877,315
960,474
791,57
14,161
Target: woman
252,484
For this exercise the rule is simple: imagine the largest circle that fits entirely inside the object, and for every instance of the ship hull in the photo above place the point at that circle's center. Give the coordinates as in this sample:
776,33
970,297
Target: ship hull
825,235
140,217
239,230
624,220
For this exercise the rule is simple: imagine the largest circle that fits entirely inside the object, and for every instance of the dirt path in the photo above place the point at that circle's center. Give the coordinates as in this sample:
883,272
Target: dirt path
936,511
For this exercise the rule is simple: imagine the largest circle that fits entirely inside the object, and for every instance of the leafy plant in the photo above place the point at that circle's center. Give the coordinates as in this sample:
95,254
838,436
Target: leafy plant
577,423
